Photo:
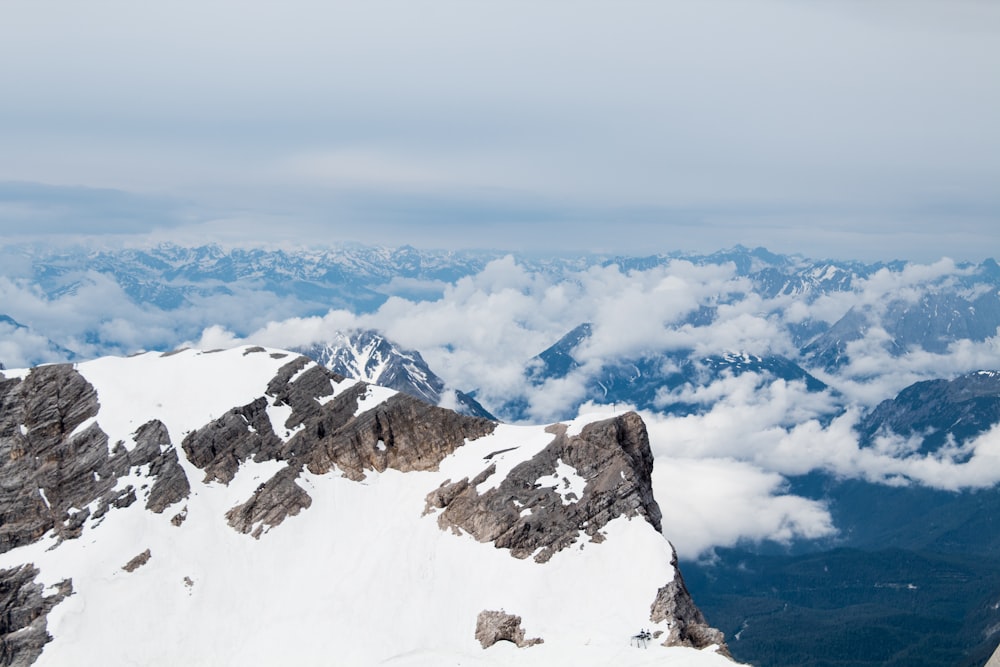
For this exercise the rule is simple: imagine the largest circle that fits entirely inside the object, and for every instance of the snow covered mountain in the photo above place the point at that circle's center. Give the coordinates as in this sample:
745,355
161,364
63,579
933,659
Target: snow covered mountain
370,357
250,507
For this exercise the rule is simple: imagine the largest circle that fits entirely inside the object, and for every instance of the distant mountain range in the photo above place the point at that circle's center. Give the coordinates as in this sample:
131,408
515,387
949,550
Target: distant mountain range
964,304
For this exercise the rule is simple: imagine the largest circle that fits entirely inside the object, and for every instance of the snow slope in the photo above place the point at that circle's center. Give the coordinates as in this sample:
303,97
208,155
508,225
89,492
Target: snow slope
364,576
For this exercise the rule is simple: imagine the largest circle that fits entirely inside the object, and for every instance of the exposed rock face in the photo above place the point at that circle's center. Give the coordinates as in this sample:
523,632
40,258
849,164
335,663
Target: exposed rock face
673,604
53,462
274,500
528,516
613,460
55,467
495,626
138,561
23,611
221,446
324,432
402,433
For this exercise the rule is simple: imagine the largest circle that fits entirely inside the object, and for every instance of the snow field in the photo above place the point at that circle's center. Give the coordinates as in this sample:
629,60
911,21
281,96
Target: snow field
362,577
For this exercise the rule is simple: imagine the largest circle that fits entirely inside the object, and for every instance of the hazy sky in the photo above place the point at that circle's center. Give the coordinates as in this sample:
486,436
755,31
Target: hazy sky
843,128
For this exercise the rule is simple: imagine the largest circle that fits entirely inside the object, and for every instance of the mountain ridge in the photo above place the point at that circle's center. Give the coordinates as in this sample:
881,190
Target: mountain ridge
369,356
301,457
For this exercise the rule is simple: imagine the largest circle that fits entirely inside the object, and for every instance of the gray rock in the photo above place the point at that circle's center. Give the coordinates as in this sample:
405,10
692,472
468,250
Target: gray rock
402,433
687,624
495,626
23,612
614,458
221,446
52,467
274,500
137,562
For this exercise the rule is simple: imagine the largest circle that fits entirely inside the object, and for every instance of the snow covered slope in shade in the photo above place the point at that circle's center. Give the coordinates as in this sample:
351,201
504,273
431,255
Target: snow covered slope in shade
372,568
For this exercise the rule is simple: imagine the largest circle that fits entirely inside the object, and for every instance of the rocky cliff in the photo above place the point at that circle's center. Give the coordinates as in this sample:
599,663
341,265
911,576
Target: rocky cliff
567,493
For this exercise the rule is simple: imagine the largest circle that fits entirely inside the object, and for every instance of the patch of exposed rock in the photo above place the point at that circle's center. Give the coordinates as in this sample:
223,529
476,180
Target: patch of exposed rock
137,562
402,433
688,627
527,517
273,500
221,446
23,611
324,432
496,626
55,462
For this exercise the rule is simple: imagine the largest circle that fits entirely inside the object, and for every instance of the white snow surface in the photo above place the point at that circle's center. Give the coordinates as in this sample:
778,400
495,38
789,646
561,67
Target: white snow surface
567,482
362,577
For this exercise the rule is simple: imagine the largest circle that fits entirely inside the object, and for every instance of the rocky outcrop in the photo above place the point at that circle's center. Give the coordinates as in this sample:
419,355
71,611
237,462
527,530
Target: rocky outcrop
324,432
402,433
496,626
531,513
23,611
274,500
138,561
221,446
55,462
687,625
56,473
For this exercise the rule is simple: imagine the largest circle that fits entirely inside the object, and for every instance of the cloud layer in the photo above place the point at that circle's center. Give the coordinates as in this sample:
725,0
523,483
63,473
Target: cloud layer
749,435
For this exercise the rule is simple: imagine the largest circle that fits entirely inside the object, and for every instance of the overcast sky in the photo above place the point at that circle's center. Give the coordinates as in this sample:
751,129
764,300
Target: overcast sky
843,128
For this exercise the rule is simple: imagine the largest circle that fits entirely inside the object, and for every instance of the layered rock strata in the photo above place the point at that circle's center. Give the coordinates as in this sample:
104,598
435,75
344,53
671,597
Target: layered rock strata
24,607
533,513
56,467
532,518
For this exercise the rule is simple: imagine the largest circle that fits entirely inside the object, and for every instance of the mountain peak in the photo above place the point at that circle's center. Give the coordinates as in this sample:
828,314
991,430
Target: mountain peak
367,355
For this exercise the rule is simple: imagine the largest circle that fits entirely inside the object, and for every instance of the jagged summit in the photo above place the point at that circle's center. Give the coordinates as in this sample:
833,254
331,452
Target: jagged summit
269,511
369,356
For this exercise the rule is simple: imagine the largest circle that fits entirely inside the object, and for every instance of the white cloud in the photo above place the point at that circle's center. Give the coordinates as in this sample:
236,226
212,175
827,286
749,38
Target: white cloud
710,502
